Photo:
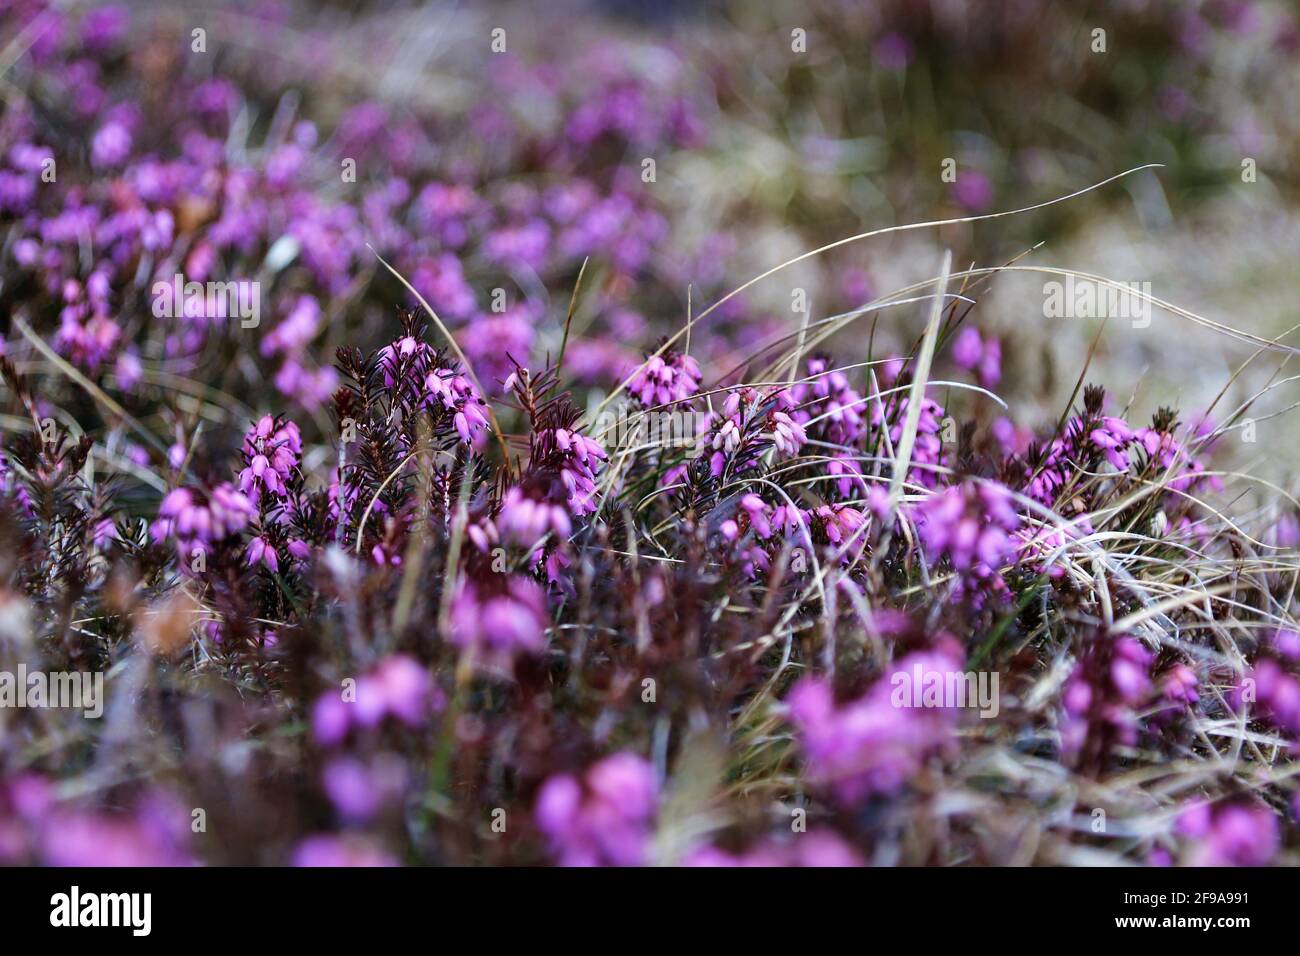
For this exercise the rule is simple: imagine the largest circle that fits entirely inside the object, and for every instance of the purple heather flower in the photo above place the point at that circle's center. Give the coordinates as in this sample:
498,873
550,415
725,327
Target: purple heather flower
665,379
604,818
399,687
324,850
523,245
154,835
928,447
1130,670
360,790
825,403
750,412
1286,641
330,719
982,355
1231,834
457,394
1170,454
104,27
111,145
493,341
271,452
526,520
580,458
87,337
1112,436
967,348
296,331
869,745
1276,695
197,520
973,190
856,287
442,282
840,524
1100,700
970,524
502,615
893,51
1179,684
405,349
260,551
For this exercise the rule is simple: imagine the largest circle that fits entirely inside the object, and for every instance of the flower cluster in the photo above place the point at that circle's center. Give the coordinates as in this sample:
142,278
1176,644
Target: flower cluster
972,526
972,351
751,421
873,744
1271,689
381,581
889,415
499,615
578,457
1101,697
665,379
197,521
1230,834
398,687
603,817
271,453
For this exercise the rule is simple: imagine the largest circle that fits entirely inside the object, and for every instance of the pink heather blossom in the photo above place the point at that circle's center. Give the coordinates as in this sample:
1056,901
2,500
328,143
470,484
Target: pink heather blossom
971,524
1286,642
1013,440
1101,698
973,190
1112,436
604,818
1230,834
197,520
457,394
399,687
325,850
973,352
579,457
752,418
869,745
359,790
1130,670
500,615
111,145
406,349
297,330
1276,693
1172,456
525,520
664,380
1179,689
260,551
492,341
827,404
893,51
928,447
156,834
271,453
840,524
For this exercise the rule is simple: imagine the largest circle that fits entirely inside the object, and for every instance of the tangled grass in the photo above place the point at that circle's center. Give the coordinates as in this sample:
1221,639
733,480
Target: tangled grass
422,603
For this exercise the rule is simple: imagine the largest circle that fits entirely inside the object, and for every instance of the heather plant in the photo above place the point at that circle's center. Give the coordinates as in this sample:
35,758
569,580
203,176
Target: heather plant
372,582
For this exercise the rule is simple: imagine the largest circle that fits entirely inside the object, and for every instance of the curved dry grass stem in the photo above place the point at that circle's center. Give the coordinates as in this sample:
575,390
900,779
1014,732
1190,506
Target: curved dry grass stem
868,235
455,347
